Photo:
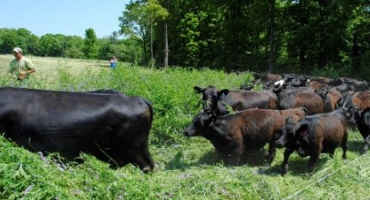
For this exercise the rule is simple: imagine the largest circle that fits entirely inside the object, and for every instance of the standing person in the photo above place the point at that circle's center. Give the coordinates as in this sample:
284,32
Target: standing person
113,62
20,66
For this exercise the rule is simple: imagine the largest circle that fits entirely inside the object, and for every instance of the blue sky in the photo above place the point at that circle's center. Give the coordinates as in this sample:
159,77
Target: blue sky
69,17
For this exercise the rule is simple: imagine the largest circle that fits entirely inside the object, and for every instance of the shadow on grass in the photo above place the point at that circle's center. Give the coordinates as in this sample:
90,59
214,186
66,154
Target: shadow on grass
355,146
177,162
250,158
297,167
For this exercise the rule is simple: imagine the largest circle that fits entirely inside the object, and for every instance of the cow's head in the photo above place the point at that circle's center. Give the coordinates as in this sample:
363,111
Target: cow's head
200,124
349,110
364,117
211,98
323,92
302,139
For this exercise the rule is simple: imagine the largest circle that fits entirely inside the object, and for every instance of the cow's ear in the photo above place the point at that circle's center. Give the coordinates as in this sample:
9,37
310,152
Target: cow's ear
198,89
223,92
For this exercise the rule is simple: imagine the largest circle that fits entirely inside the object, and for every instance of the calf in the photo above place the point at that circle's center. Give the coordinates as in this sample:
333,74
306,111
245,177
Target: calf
315,134
232,134
217,101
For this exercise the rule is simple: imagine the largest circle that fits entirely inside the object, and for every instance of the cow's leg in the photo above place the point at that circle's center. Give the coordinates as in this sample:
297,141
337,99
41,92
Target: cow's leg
234,156
315,154
140,156
313,159
148,157
367,143
272,152
331,153
344,145
287,153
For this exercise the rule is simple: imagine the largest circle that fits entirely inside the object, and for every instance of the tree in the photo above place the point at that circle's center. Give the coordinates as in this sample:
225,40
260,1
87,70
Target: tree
51,45
9,41
90,47
133,24
74,47
154,11
138,20
271,35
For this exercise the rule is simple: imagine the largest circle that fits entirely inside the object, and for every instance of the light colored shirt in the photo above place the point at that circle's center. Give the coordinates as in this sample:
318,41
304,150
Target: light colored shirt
20,66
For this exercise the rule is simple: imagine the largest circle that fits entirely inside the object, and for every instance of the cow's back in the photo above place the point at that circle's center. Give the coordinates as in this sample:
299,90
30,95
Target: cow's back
241,100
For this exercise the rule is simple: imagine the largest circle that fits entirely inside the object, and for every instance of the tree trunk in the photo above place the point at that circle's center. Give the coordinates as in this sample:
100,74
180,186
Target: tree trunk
271,31
151,44
165,45
144,49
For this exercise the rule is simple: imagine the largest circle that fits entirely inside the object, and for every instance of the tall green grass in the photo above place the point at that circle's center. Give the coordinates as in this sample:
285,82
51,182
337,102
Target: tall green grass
186,168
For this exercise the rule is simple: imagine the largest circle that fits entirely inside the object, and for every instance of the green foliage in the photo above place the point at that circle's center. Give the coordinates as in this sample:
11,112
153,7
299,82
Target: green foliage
128,50
236,34
185,168
90,48
10,38
51,45
138,21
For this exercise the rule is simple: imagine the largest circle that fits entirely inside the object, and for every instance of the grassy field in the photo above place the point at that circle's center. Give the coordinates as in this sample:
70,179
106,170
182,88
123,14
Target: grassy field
185,168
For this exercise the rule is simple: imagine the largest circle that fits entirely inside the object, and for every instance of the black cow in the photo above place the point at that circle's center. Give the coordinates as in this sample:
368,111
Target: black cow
104,123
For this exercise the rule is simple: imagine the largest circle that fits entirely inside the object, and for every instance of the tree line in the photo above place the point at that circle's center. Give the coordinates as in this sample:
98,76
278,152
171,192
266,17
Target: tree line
305,36
59,45
328,37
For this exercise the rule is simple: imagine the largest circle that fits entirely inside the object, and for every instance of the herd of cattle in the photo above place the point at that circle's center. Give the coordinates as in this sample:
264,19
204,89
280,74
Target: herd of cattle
303,114
309,115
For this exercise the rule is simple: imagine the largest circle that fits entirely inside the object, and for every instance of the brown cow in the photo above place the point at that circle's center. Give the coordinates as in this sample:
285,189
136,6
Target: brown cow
315,134
301,97
218,101
251,129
